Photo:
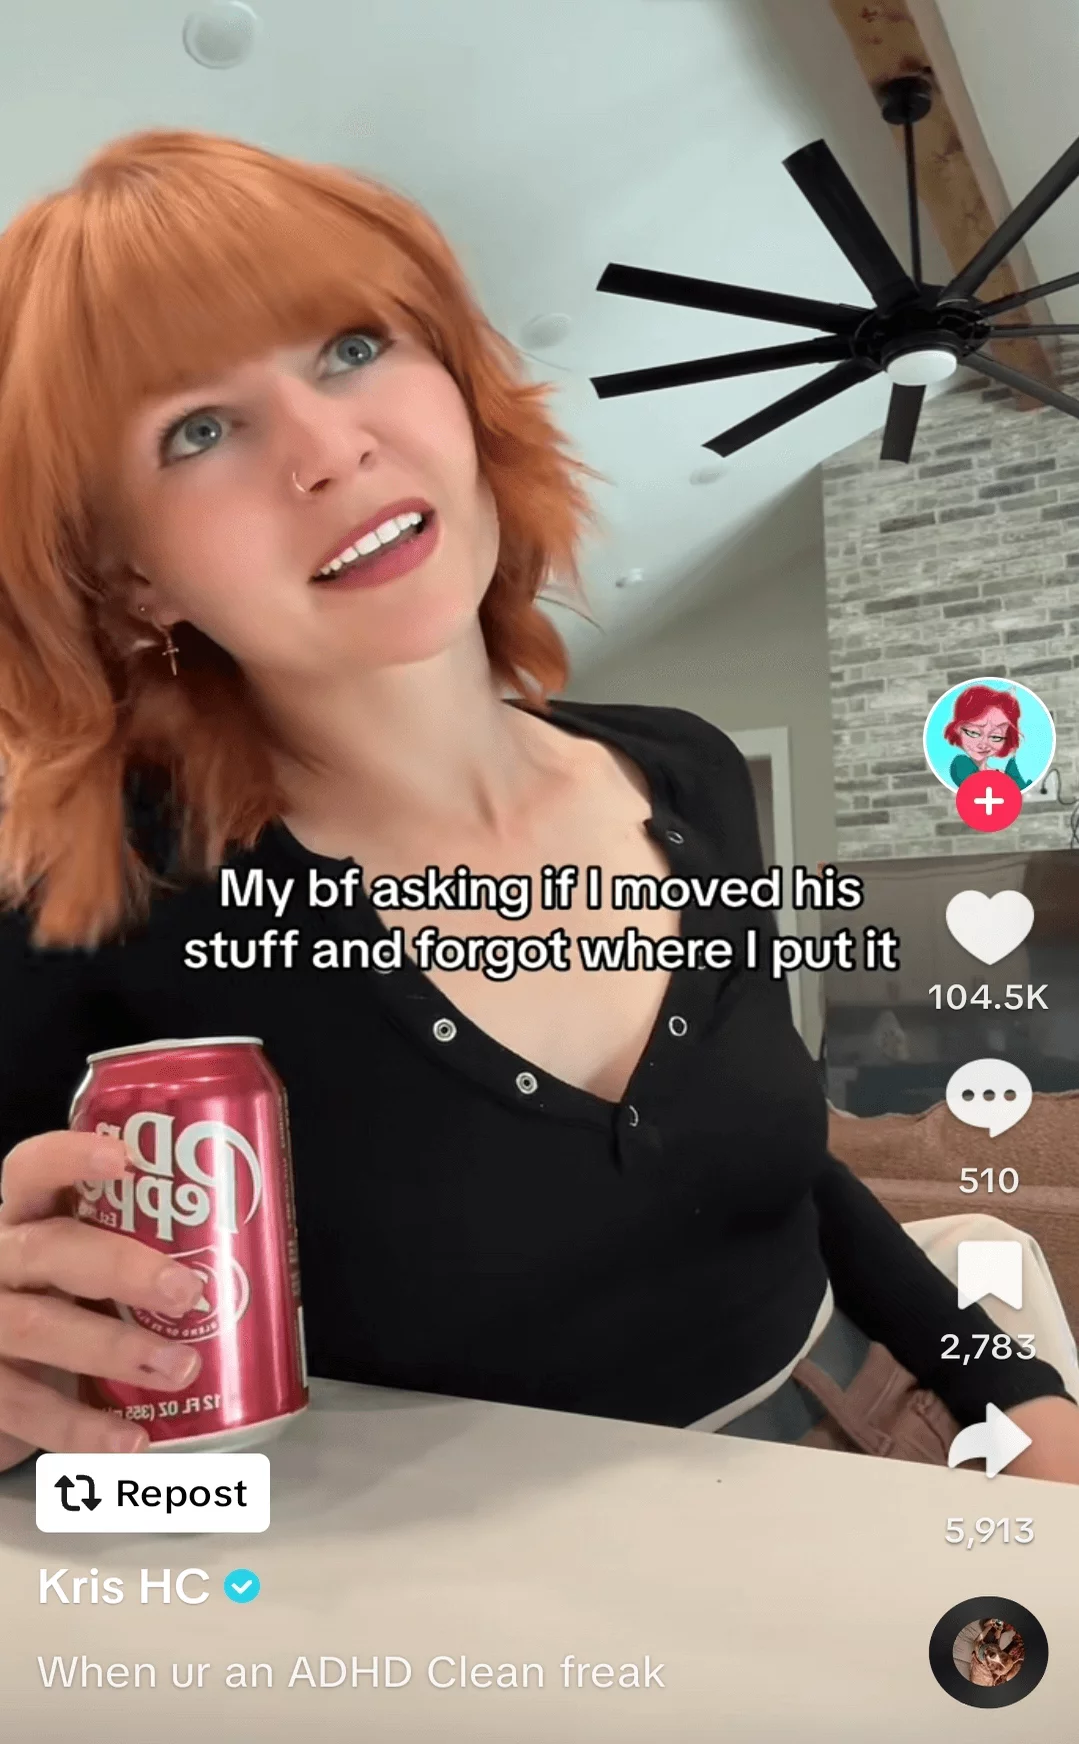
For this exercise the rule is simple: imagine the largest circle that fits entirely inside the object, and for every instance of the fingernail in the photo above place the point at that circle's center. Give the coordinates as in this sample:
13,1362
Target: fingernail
176,1366
177,1287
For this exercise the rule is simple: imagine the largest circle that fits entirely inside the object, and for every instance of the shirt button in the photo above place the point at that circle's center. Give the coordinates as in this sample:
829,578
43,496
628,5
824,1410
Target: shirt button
444,1030
677,1026
674,836
631,1115
526,1083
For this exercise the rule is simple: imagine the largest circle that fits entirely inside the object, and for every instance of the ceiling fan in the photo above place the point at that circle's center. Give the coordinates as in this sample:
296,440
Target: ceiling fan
916,334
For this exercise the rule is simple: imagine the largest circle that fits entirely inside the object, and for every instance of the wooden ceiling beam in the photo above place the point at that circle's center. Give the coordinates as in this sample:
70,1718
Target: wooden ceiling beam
958,182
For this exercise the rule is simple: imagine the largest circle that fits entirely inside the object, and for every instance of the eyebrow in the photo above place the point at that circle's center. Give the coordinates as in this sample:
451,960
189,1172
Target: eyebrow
223,384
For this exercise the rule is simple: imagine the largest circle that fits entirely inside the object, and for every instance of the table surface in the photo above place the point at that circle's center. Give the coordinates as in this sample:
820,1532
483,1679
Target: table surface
785,1592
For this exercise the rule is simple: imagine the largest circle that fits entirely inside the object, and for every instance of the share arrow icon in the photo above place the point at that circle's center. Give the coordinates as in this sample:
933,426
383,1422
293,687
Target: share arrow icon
998,1441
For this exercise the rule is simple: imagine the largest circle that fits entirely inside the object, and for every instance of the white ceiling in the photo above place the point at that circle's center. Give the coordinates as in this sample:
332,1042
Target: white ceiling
548,137
1020,65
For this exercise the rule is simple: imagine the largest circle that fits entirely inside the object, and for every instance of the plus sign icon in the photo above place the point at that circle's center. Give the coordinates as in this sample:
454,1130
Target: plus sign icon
988,801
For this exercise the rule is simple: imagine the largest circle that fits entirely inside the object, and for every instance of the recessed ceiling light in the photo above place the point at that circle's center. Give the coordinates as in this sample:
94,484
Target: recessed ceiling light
632,578
706,475
221,36
544,330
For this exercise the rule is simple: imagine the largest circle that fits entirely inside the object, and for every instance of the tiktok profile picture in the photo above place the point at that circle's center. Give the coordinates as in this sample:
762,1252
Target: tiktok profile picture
988,1652
989,726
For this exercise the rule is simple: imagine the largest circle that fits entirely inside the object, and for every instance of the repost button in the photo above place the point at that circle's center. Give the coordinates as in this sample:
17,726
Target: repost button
153,1492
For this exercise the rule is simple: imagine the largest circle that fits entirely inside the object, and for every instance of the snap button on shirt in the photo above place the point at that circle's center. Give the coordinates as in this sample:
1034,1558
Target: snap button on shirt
638,1141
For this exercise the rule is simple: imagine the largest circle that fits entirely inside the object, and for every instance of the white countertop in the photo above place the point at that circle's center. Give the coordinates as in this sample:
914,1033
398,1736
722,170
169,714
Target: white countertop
787,1594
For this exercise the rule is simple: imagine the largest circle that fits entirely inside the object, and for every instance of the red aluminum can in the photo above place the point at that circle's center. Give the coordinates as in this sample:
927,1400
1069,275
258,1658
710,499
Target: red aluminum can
207,1124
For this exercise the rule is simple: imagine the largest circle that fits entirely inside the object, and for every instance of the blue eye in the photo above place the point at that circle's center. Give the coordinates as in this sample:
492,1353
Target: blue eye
368,344
207,422
192,419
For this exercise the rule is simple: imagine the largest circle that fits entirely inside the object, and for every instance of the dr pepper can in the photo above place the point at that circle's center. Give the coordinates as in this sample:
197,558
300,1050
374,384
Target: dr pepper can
206,1122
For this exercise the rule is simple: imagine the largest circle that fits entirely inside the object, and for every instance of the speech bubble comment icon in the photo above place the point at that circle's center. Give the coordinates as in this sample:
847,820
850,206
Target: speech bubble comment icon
989,927
989,1093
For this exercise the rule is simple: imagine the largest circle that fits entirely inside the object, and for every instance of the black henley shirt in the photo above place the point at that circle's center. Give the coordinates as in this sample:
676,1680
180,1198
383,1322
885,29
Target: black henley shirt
470,1224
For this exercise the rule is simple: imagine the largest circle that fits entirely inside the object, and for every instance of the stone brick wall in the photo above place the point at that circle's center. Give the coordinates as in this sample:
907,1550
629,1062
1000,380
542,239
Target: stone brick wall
964,562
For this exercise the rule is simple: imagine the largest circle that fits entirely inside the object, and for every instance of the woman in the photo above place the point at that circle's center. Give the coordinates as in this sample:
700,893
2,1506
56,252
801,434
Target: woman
582,1190
984,725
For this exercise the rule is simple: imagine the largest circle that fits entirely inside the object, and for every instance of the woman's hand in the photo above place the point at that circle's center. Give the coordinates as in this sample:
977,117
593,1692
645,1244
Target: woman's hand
47,1257
1053,1427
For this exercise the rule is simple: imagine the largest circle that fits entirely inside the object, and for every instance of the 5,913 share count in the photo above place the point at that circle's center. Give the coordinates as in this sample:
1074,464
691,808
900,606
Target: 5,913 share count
1017,1531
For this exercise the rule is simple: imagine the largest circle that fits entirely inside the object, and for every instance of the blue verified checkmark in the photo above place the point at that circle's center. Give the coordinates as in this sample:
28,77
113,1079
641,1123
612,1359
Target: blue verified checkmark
242,1585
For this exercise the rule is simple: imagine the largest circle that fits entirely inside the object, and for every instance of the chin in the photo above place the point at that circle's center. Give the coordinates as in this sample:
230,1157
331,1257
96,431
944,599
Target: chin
410,643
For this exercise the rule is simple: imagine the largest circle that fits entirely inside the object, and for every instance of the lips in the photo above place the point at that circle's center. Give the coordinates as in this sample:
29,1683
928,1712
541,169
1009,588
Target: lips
405,506
387,563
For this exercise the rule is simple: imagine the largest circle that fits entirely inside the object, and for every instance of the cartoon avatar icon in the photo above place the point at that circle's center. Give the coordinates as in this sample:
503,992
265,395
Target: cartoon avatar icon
984,726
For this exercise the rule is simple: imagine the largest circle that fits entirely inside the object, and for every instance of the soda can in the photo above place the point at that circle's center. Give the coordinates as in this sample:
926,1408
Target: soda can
206,1122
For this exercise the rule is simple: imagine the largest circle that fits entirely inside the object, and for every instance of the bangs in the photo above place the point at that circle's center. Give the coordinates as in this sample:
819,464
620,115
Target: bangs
174,258
147,287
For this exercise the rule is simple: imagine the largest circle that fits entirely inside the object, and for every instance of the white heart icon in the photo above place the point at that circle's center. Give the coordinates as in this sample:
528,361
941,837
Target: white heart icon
989,927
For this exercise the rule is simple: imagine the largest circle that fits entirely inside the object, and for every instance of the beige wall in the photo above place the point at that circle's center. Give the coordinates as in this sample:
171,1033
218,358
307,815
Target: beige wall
754,657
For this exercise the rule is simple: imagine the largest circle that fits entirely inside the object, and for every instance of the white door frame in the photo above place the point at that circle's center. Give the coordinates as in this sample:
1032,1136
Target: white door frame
773,744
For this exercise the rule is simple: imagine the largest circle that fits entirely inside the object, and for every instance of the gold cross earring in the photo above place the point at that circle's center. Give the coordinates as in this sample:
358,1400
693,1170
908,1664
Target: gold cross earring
170,649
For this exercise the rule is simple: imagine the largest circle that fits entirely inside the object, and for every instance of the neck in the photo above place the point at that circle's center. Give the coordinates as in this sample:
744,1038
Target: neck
413,753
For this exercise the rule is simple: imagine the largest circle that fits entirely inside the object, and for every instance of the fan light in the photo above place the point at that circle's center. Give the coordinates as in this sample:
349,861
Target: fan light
917,369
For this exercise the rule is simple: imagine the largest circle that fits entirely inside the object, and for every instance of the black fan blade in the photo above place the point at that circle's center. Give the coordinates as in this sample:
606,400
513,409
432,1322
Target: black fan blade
845,375
664,287
1021,330
1023,384
1016,301
706,369
904,410
835,201
1015,226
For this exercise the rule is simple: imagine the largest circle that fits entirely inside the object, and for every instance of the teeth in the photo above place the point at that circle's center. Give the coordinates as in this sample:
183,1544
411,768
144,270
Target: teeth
382,535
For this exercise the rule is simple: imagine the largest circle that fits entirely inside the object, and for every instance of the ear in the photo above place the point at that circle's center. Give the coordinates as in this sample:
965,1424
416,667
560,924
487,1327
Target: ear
142,599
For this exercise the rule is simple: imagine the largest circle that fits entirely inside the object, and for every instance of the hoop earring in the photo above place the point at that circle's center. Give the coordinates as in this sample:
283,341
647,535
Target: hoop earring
170,649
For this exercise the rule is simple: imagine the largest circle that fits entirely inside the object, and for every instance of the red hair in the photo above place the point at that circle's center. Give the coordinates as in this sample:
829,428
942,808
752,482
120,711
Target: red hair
174,256
971,706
